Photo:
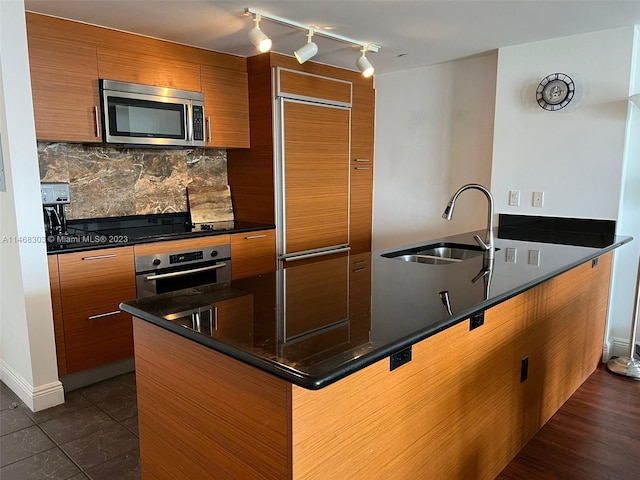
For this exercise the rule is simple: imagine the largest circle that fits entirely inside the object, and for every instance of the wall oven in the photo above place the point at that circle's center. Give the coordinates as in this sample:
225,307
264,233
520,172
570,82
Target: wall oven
168,272
134,114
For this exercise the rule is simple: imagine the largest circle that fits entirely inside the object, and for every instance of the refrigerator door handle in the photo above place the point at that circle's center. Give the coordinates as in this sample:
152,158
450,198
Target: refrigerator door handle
293,258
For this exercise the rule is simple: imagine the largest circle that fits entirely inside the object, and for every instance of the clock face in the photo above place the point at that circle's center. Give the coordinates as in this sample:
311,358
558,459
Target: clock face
555,91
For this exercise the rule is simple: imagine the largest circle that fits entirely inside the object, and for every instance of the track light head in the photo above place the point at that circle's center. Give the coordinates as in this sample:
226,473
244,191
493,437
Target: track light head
307,51
364,65
258,37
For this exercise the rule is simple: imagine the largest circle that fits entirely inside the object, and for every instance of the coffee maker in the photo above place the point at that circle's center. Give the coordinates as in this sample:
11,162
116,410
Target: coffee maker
55,196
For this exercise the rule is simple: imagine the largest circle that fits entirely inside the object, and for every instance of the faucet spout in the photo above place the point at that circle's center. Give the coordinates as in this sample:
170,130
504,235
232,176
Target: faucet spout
488,243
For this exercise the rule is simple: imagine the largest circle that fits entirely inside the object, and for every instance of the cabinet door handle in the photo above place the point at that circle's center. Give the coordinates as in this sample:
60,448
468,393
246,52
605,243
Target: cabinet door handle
109,314
209,130
365,160
360,262
96,113
215,317
361,269
98,257
361,168
253,237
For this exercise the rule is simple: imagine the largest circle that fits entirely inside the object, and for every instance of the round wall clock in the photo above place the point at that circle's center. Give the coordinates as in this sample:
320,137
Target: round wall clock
555,91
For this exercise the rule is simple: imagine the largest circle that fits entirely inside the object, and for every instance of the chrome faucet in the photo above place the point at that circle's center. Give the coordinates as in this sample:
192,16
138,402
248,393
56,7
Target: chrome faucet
487,244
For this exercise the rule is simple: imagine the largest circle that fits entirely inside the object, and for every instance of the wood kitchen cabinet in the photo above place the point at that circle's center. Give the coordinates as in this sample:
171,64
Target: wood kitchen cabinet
92,285
56,307
136,67
67,58
253,253
64,83
226,106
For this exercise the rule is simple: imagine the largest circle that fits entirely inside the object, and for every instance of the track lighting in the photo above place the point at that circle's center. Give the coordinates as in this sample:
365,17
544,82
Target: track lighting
307,51
364,65
310,49
258,37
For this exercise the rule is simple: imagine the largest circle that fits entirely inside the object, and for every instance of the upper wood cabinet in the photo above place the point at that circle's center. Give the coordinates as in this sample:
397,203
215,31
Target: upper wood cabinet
64,83
116,63
226,106
67,58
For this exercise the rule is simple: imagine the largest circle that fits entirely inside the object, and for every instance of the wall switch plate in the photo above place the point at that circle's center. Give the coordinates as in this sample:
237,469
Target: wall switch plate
511,255
538,199
534,257
514,198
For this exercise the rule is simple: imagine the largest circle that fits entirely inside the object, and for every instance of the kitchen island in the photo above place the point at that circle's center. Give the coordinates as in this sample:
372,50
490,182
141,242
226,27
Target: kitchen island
369,366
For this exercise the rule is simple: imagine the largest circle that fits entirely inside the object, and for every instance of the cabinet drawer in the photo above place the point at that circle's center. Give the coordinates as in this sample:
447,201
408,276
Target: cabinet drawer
99,345
253,253
88,277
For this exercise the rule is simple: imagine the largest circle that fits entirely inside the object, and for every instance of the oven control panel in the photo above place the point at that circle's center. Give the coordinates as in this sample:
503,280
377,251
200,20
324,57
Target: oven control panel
154,262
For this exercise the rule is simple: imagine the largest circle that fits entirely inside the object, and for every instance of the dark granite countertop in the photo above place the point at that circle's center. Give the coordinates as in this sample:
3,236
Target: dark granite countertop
99,233
311,326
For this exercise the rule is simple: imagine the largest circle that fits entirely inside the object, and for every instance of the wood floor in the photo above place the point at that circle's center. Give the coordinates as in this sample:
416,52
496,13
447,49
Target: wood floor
594,436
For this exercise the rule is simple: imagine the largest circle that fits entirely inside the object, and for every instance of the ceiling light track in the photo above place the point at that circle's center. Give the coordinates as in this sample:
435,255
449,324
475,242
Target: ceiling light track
308,50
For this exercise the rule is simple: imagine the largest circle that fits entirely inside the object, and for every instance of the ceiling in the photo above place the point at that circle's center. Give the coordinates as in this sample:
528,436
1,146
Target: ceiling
410,33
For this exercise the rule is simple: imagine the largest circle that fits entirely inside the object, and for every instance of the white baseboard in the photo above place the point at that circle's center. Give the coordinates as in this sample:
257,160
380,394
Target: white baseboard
619,347
36,398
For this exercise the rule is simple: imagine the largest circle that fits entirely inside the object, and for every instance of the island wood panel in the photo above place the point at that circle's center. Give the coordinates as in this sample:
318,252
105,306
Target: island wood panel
575,313
128,66
316,176
455,411
313,86
253,253
64,85
94,283
205,415
226,106
56,307
91,35
251,173
181,245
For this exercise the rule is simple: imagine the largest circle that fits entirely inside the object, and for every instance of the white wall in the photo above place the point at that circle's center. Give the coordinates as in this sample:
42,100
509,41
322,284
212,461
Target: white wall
574,155
27,346
579,156
434,129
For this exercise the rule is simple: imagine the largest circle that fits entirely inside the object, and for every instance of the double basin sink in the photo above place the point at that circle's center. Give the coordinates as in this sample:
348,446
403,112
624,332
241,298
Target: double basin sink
442,253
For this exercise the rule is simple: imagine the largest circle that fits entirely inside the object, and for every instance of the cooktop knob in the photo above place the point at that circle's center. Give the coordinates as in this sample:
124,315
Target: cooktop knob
214,253
156,261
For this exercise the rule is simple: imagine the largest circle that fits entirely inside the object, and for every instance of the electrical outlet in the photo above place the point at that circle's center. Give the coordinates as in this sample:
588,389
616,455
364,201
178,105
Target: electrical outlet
511,255
514,198
534,257
538,199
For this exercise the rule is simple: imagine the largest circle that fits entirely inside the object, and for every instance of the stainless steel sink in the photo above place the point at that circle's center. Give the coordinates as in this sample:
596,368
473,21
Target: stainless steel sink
438,253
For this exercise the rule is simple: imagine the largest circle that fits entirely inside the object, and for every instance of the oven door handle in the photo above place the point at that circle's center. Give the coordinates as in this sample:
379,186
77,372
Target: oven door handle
182,273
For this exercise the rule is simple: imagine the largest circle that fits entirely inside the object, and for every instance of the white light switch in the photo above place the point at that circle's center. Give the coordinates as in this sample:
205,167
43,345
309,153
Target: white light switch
511,255
538,199
534,257
514,198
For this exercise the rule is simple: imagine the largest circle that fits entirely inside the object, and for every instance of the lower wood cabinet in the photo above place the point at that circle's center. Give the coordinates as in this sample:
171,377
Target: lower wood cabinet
461,408
92,285
253,253
56,306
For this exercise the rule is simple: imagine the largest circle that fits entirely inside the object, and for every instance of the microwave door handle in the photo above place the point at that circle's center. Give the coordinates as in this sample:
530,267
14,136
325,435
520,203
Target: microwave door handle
189,121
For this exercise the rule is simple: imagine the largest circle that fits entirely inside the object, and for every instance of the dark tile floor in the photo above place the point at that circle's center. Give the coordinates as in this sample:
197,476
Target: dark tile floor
93,435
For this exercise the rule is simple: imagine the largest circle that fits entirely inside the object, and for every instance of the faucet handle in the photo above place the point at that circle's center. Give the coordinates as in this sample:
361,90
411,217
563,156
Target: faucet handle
480,242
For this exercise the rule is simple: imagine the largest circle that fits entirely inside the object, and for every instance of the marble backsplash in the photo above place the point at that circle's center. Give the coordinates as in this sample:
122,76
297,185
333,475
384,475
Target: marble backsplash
113,182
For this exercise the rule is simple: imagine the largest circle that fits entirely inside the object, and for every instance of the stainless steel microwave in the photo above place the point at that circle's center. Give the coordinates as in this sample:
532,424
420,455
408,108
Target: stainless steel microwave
144,115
